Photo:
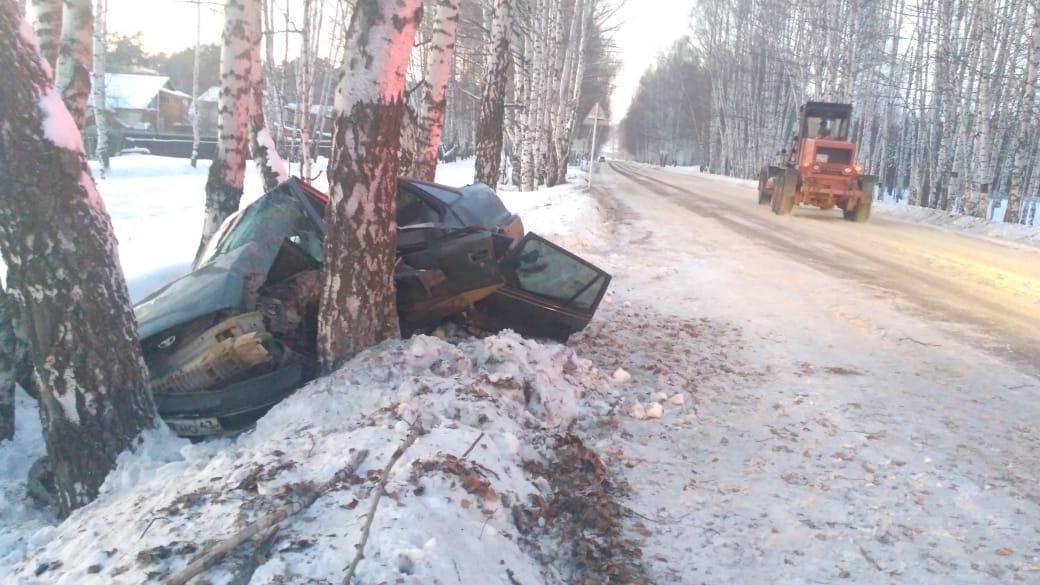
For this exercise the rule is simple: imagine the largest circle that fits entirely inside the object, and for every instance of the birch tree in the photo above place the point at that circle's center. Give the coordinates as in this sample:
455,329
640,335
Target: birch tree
75,56
439,59
195,139
306,73
358,305
58,243
1027,114
943,92
227,172
100,46
492,103
48,26
265,153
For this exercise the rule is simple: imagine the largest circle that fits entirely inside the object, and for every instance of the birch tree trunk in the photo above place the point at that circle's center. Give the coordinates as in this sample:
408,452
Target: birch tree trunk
1027,113
265,153
195,87
492,103
58,243
11,354
227,173
303,106
434,104
72,77
358,306
98,87
48,26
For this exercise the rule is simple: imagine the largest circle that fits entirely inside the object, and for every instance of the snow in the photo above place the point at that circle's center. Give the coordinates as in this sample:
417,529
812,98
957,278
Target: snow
20,523
211,95
901,210
823,438
174,494
763,430
266,141
518,392
998,230
58,126
132,91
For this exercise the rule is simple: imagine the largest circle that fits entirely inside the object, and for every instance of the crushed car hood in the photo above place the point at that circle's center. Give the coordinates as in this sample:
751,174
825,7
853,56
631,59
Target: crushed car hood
221,284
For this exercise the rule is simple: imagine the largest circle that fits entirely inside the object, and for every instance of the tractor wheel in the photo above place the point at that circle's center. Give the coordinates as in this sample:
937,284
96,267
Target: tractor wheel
763,180
861,212
783,193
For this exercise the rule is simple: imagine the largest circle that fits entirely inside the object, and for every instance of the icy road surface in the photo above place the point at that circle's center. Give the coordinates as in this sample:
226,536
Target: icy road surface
862,400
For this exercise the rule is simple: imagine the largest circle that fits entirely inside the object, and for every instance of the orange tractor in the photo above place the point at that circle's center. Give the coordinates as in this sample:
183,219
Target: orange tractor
820,169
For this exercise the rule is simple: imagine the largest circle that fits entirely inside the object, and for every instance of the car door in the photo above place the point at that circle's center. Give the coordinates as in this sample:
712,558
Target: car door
549,292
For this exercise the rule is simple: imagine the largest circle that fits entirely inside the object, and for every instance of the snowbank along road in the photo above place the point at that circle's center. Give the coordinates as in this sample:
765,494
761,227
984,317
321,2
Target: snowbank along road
858,402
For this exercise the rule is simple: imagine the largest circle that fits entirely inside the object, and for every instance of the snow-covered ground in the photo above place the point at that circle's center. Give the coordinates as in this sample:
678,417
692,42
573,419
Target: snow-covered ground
903,211
463,506
762,422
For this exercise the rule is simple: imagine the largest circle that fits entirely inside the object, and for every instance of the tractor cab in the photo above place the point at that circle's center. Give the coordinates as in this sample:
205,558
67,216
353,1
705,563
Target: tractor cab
825,120
823,135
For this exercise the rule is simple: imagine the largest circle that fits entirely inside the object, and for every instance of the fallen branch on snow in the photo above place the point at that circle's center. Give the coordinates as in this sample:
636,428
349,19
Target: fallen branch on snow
212,556
412,435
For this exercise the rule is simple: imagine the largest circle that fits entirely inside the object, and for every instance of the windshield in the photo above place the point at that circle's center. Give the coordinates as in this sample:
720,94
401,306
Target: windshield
273,218
832,128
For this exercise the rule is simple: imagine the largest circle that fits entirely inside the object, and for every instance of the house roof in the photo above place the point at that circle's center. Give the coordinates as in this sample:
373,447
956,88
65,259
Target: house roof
131,91
211,95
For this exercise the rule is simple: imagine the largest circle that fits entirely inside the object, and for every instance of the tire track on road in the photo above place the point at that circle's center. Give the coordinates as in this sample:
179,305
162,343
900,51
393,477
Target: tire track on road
938,297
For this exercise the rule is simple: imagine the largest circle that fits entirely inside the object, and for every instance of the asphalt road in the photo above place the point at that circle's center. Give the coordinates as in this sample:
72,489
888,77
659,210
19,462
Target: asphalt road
991,288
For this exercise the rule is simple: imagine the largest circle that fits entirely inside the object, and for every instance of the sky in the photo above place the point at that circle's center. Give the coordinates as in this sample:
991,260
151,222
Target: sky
646,28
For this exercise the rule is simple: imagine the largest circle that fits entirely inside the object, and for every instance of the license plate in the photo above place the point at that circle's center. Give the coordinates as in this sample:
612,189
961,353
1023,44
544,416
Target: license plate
198,427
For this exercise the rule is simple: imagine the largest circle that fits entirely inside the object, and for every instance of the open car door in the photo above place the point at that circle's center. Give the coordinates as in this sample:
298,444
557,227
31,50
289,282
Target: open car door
549,292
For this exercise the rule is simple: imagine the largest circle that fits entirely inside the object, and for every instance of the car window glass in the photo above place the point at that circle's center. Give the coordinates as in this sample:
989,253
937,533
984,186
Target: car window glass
447,196
275,216
542,269
412,210
829,128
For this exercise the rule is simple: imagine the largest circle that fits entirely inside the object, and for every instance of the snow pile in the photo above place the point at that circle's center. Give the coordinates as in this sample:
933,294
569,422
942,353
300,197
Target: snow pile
1011,232
455,504
565,214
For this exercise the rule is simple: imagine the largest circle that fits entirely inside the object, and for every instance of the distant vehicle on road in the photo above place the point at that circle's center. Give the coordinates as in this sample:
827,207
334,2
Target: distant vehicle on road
602,159
820,169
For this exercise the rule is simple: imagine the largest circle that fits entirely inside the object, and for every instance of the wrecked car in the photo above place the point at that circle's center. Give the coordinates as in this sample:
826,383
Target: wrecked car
236,335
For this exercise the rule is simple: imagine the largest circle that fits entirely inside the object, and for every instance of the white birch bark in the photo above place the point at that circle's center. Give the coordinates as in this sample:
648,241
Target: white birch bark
75,56
358,305
439,59
1028,112
303,105
269,163
100,47
492,103
94,394
195,87
48,27
227,173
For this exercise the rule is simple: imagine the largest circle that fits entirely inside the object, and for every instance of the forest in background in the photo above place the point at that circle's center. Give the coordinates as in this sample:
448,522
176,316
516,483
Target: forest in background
293,66
944,94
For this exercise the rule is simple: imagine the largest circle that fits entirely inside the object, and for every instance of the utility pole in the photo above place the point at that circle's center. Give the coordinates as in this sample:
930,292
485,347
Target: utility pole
595,130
